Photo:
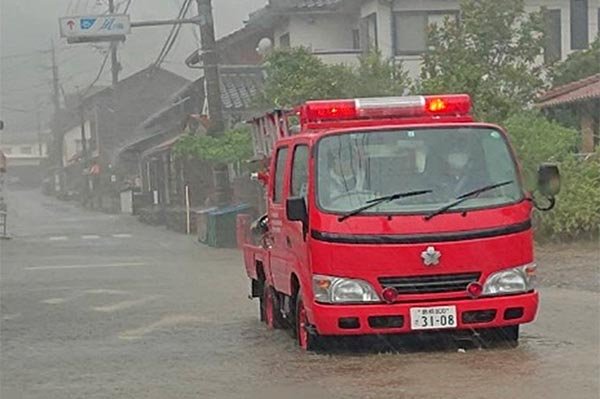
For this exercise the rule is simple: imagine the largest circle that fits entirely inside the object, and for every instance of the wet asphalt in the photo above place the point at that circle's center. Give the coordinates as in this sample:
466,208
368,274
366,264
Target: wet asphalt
101,306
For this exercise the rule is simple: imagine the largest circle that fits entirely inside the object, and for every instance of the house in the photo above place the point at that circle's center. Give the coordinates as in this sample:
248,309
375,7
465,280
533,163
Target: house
583,98
108,118
339,30
26,154
162,176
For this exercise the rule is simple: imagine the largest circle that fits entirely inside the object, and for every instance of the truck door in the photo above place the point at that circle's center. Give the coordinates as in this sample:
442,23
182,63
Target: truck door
294,231
279,249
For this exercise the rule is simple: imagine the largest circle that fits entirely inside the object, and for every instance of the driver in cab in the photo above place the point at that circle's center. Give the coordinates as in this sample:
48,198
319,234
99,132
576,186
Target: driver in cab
342,177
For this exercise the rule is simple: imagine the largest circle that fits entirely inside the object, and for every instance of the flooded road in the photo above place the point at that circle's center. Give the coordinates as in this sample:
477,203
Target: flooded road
100,306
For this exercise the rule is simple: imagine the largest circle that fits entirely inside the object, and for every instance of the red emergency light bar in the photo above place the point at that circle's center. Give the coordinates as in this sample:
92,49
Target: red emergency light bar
387,107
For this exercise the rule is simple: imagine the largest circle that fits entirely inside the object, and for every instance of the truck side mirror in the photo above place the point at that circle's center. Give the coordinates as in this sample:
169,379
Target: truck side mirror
296,211
548,180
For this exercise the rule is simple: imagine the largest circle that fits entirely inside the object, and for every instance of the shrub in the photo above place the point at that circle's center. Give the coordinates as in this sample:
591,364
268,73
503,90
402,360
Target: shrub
537,140
233,146
577,211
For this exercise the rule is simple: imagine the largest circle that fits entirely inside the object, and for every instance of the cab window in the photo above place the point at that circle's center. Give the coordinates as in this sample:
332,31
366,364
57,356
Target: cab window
299,178
279,174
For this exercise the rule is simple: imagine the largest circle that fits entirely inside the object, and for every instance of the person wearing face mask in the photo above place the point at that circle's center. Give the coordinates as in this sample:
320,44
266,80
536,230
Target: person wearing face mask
460,175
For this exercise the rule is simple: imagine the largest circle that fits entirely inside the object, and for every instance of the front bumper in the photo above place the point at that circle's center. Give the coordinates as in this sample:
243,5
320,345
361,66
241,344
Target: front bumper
472,313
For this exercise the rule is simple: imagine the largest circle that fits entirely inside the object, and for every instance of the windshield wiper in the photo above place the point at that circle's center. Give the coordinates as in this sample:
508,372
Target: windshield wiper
377,201
462,198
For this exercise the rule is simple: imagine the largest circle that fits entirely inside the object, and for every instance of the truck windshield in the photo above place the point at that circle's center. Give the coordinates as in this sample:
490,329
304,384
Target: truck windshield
353,168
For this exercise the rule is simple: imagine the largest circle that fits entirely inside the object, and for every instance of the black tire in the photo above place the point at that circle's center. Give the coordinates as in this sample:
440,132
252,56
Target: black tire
306,340
500,337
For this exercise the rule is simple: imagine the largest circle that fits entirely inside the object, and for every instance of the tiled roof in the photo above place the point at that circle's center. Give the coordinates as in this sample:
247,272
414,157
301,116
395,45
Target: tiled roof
581,90
316,4
239,87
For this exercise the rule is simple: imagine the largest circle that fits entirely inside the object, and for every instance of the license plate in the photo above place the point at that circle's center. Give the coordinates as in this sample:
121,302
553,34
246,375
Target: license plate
433,318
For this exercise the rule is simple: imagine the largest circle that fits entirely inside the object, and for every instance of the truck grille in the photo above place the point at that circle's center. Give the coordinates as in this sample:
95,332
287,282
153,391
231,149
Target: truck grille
430,284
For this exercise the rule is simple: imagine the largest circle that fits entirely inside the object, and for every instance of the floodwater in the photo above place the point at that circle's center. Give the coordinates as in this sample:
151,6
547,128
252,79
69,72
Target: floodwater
100,306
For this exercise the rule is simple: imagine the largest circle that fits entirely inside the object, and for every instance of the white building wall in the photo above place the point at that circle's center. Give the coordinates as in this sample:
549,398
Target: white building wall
328,36
70,140
413,63
326,33
16,150
565,13
319,32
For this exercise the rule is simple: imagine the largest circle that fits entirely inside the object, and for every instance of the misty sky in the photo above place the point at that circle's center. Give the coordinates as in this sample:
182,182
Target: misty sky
28,26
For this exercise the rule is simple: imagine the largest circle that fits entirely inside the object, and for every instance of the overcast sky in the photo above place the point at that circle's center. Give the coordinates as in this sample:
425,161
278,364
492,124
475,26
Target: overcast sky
27,28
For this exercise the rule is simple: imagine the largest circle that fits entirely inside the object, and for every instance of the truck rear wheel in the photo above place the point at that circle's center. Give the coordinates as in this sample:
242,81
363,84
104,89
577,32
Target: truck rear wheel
306,340
271,310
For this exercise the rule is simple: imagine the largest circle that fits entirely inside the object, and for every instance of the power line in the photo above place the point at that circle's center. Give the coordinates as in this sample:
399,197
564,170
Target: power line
97,76
173,34
104,62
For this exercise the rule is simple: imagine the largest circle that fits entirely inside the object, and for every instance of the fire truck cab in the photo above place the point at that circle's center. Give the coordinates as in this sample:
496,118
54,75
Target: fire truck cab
389,216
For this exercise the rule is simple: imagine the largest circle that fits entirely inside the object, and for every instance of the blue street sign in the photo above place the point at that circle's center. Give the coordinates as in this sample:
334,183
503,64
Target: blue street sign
87,23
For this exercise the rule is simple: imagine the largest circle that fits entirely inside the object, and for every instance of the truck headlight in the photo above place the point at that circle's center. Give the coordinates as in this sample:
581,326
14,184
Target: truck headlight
329,289
511,281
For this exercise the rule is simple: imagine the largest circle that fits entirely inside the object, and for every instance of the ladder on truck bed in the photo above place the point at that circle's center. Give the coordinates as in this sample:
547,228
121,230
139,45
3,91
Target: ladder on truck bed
266,130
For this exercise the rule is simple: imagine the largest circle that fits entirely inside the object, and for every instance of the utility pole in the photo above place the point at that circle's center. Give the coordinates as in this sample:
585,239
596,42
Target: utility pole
55,82
210,57
39,132
57,152
84,153
113,51
208,53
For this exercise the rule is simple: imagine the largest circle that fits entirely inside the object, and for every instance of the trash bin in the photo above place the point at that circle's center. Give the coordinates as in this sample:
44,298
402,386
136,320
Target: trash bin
139,201
222,223
126,197
202,223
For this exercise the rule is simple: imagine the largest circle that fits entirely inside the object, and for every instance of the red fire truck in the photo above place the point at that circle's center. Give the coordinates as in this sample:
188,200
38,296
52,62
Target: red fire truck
392,215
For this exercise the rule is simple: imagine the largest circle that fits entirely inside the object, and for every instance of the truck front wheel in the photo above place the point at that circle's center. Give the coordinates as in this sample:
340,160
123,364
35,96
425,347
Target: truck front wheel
307,340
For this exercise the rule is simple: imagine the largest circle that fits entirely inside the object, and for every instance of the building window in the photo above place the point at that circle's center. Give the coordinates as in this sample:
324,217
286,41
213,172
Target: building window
411,29
579,24
356,39
284,41
7,150
370,27
27,150
553,36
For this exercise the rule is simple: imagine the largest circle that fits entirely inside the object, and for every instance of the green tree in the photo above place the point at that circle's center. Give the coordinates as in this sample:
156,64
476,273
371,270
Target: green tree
378,76
233,146
295,76
578,65
492,53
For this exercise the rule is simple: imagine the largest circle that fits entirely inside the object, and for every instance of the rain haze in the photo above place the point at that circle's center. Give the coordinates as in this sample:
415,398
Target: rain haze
345,199
28,28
